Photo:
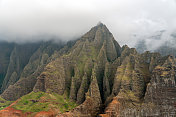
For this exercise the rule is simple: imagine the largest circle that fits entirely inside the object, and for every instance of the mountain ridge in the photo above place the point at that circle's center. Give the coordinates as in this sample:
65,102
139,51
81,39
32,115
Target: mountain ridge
98,75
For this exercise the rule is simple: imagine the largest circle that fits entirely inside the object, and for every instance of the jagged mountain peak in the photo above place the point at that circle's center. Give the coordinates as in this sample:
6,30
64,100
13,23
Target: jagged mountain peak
99,23
99,30
98,38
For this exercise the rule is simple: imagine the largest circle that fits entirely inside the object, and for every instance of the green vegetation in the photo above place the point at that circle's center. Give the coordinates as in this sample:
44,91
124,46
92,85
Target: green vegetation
84,56
4,103
125,71
40,101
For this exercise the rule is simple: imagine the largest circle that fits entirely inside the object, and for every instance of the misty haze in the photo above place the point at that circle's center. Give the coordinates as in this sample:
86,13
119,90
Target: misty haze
87,58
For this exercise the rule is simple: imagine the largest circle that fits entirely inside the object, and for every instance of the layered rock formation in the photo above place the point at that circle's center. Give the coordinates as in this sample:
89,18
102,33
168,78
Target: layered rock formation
161,89
158,99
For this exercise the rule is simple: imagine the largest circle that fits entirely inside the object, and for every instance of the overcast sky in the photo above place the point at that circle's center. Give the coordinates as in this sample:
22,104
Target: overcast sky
22,20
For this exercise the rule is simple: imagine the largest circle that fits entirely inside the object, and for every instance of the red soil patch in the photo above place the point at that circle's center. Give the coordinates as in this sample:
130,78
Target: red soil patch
103,115
112,110
11,112
45,114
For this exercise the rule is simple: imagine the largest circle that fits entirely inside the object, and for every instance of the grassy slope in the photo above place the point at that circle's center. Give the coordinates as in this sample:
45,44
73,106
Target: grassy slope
4,103
40,101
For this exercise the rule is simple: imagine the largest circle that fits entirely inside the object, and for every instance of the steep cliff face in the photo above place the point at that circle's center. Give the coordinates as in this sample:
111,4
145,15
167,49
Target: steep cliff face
150,92
133,73
90,61
91,106
5,51
19,57
27,79
161,90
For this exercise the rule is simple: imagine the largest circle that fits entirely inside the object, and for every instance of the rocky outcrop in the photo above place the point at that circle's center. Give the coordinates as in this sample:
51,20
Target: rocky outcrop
20,88
161,90
132,75
113,109
92,105
131,97
83,89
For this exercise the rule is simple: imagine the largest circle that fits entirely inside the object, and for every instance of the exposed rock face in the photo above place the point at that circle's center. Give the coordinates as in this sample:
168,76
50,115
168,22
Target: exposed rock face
159,98
88,67
18,59
91,106
31,71
161,90
113,109
22,87
133,74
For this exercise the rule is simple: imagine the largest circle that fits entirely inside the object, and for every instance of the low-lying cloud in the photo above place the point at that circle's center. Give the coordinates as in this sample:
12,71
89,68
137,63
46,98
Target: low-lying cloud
32,20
